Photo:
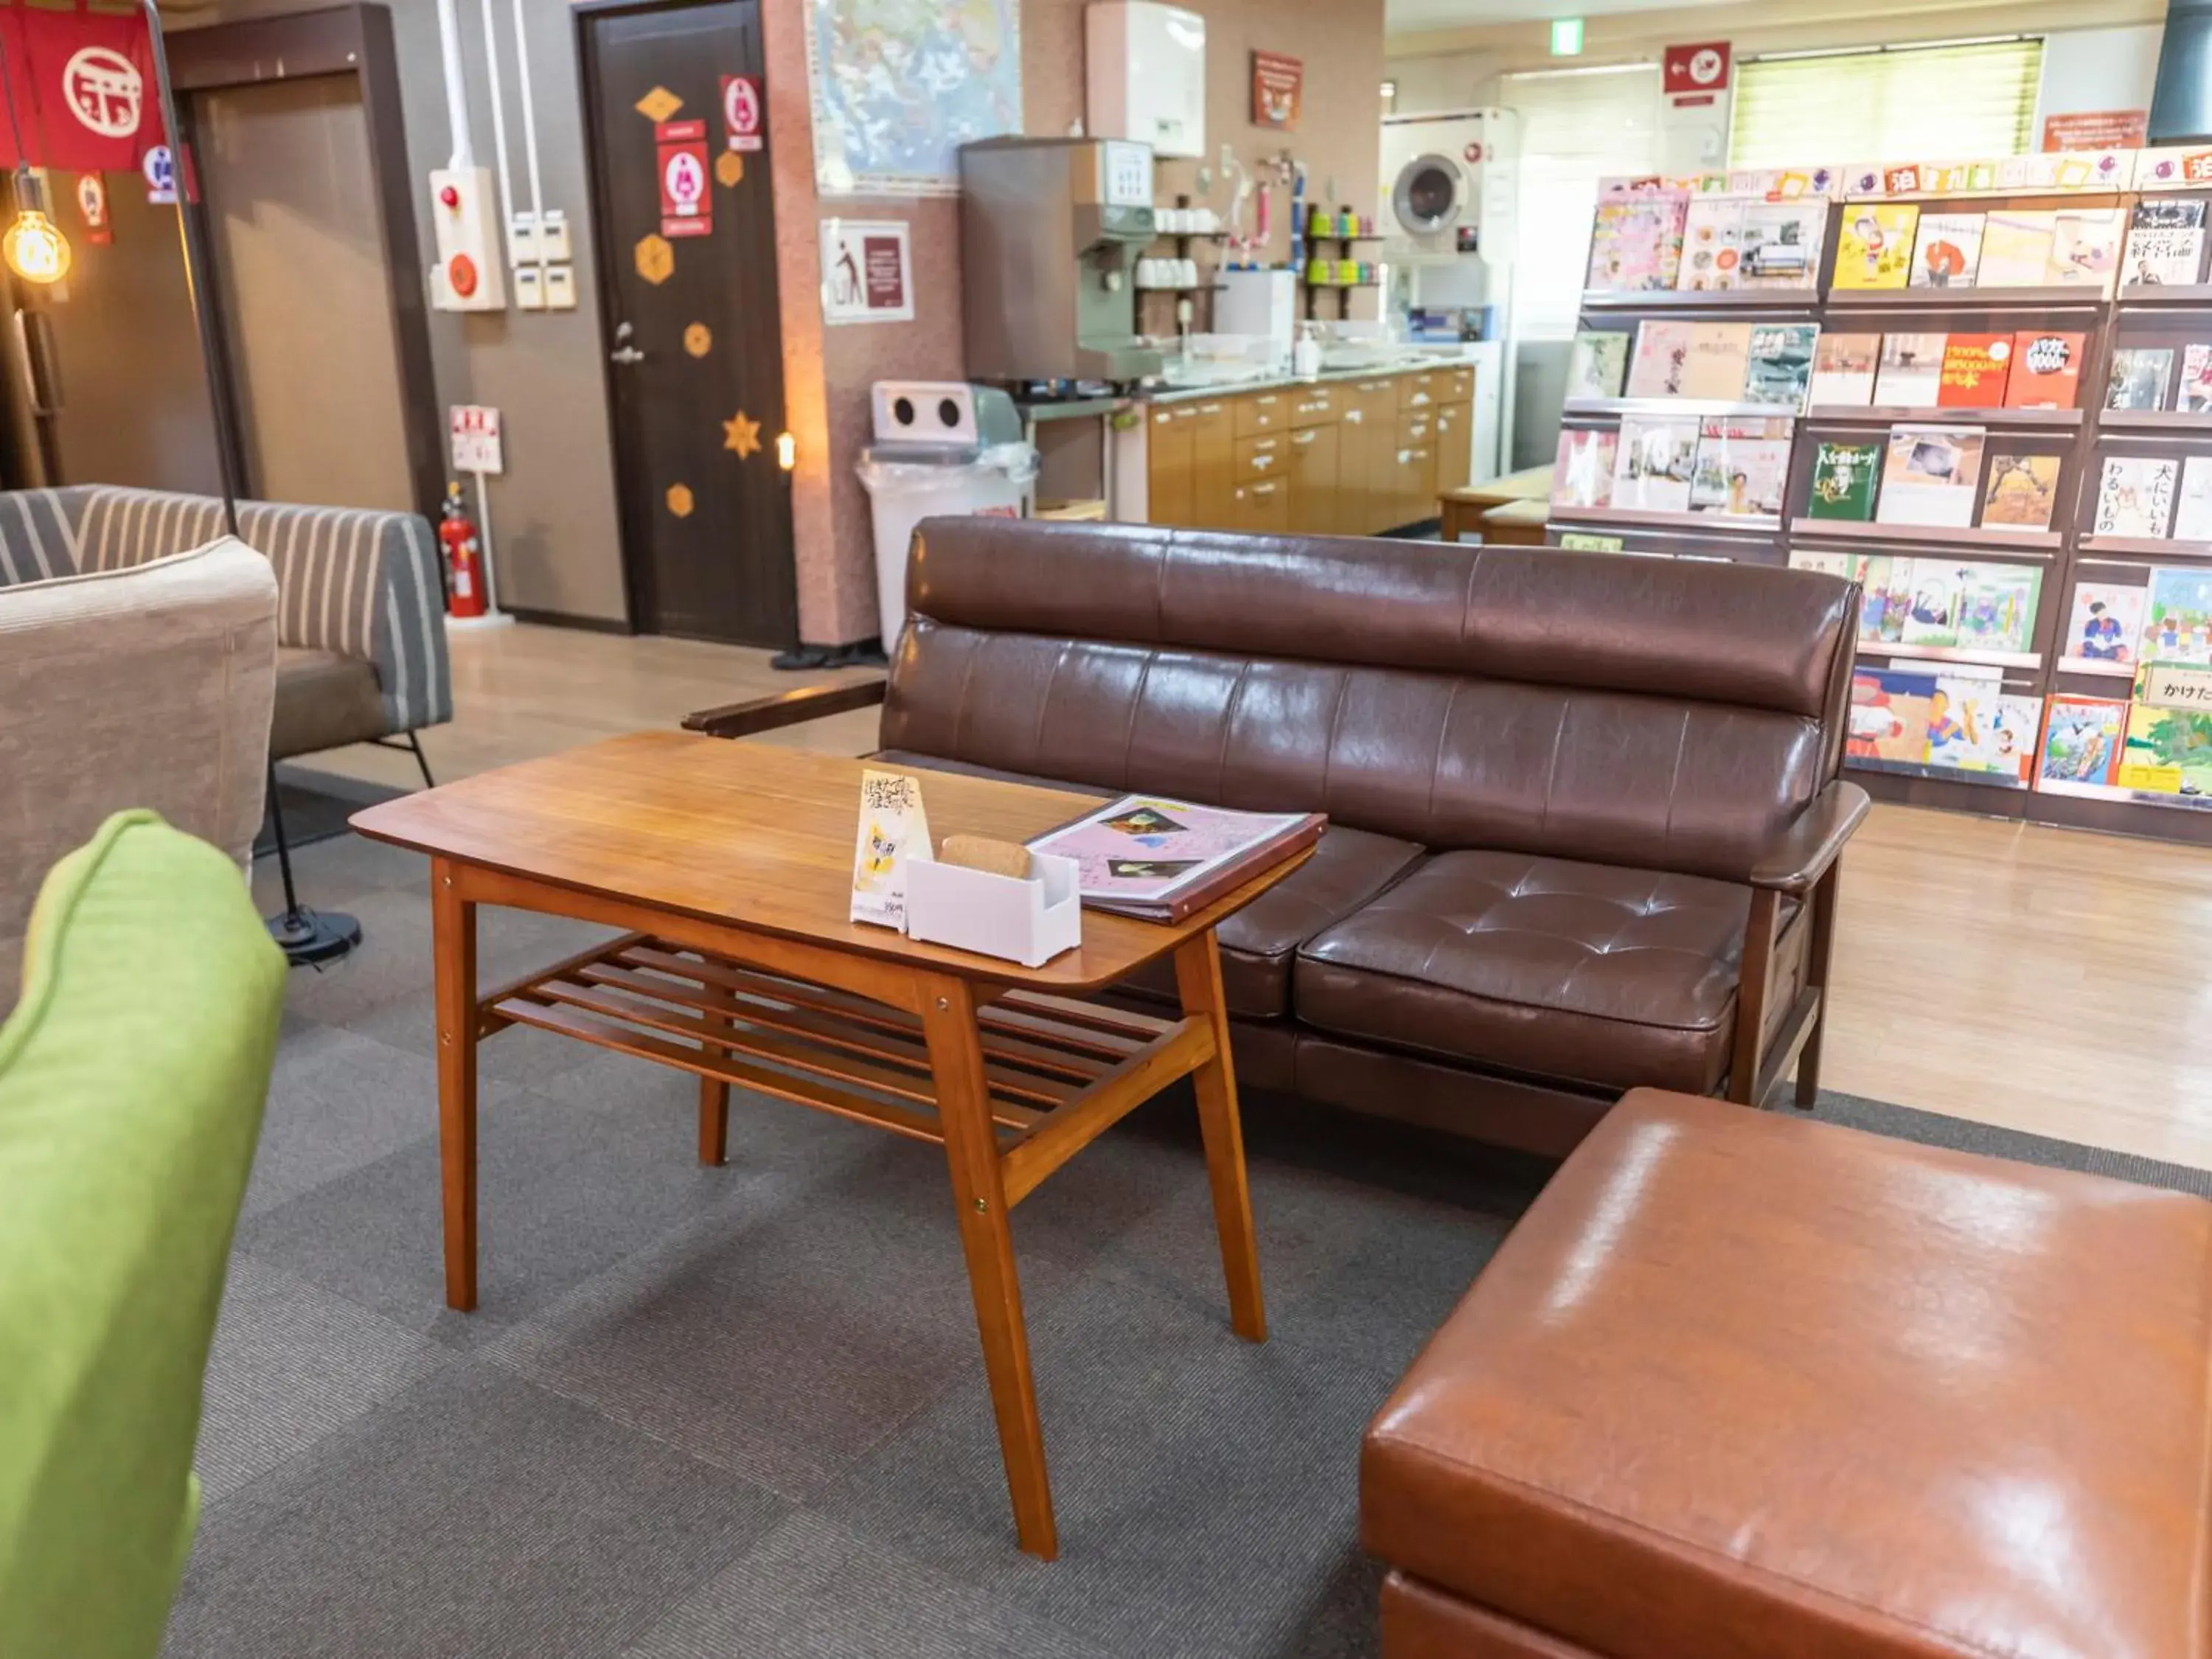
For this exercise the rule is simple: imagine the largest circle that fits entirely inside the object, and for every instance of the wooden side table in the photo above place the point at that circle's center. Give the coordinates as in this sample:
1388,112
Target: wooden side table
1464,508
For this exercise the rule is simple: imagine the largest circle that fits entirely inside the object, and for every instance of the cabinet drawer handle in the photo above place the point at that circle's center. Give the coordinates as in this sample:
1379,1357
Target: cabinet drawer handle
1263,402
1353,417
1304,438
1263,489
1209,408
1163,417
1419,398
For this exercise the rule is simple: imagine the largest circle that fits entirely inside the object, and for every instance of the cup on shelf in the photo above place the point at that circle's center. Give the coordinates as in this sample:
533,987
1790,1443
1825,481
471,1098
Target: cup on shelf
1171,222
1186,273
1204,221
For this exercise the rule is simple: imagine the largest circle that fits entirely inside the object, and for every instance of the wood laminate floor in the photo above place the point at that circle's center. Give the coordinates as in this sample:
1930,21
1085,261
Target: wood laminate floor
2043,979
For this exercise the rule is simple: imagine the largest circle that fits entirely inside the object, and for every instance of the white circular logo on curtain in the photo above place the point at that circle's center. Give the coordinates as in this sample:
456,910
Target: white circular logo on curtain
104,89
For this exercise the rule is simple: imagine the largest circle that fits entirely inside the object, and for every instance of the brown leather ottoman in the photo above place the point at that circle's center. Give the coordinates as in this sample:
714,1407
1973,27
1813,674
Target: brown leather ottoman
1744,1387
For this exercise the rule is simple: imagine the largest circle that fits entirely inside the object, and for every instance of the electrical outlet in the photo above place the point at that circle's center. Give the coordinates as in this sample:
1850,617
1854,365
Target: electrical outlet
553,236
560,287
529,292
522,238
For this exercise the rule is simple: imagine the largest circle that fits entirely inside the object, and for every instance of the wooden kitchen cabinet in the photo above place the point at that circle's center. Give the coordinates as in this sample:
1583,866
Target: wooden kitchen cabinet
1262,507
1315,509
1171,466
1366,456
1260,412
1455,442
1212,461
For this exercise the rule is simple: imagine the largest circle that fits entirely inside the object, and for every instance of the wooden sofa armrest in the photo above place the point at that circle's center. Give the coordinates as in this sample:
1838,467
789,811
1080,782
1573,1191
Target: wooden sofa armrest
1801,855
793,708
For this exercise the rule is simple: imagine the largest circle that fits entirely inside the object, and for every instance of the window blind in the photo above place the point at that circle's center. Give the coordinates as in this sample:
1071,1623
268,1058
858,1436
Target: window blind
1903,103
1576,126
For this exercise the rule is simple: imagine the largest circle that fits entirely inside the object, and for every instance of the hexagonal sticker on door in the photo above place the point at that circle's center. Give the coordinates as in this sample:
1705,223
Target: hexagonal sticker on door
656,259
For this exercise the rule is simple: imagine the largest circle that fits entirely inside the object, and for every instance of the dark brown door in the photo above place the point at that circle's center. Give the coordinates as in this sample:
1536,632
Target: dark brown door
695,355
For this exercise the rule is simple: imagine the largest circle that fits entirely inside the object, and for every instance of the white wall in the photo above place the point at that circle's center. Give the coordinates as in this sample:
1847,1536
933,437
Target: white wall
2098,69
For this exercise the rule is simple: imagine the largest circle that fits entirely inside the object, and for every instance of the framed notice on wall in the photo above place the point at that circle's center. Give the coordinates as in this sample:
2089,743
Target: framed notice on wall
1278,89
867,271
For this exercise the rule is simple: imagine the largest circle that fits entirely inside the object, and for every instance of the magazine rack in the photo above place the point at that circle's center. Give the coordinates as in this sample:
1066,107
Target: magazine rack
2067,553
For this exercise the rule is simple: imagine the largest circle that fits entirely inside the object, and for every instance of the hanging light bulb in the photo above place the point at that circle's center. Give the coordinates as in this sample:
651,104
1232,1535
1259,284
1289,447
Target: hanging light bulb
33,246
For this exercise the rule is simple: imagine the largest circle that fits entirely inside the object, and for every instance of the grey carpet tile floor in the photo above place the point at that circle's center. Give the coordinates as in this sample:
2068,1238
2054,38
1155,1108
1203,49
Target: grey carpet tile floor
742,1411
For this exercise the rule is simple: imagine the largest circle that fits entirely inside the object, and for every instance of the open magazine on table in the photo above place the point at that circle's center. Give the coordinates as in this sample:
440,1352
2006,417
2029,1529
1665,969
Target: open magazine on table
1159,859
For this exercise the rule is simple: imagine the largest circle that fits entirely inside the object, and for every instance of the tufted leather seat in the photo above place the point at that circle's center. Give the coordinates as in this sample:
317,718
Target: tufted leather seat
1601,976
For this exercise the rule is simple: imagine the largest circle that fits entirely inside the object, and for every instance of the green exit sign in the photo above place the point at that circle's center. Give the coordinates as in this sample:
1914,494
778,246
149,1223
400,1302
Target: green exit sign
1566,37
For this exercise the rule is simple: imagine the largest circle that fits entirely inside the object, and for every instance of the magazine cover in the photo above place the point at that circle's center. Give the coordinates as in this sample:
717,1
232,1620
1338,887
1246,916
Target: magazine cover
1996,606
1636,244
1654,465
2166,242
2082,739
1780,369
2106,624
1842,369
1931,615
1599,365
1973,725
1948,247
1930,476
1844,476
1974,370
1142,850
1660,365
2135,496
2192,506
2166,751
1889,717
1781,242
2085,248
1875,248
2045,371
1712,245
2021,491
2177,617
2193,395
1582,474
2139,377
1911,373
2016,250
1719,362
1740,466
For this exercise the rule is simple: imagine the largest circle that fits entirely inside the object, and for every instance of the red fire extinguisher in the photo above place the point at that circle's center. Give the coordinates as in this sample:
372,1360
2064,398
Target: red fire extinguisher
464,557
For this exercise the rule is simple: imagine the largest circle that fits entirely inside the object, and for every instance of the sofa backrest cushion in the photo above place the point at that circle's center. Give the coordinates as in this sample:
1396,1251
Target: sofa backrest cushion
1663,714
39,533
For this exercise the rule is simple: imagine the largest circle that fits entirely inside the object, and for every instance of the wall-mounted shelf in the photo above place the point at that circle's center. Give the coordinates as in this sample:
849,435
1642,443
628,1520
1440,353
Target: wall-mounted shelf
1965,299
2029,544
2166,294
2145,547
2029,660
1752,522
1724,299
1695,407
2115,671
1904,414
1940,774
2173,423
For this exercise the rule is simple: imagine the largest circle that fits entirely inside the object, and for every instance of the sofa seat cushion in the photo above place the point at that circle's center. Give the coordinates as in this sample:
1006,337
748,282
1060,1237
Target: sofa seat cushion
1585,972
1740,1384
323,700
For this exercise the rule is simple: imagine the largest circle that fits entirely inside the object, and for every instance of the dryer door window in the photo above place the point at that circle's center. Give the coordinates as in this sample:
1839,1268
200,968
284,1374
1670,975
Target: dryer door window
1428,195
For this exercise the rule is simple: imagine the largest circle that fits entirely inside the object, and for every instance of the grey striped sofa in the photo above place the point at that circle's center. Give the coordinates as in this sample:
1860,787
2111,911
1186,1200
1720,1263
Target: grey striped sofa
360,618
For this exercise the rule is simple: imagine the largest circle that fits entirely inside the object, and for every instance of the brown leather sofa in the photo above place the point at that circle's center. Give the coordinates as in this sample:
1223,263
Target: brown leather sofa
1584,810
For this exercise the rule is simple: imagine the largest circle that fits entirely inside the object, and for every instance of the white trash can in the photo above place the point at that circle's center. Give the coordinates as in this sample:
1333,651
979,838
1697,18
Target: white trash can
907,482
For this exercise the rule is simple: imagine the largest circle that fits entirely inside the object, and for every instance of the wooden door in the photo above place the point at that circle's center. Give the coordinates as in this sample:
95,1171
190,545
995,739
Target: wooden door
1171,496
1213,460
1315,509
695,352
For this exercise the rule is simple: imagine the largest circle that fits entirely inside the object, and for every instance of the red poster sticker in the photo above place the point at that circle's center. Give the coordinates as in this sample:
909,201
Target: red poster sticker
687,207
744,112
883,273
1278,89
2097,128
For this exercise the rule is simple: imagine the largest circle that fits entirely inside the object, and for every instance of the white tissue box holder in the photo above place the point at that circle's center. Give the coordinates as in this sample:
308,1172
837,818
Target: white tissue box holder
1026,921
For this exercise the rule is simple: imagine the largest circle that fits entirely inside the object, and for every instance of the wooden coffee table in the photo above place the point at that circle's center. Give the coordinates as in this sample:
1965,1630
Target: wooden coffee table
730,864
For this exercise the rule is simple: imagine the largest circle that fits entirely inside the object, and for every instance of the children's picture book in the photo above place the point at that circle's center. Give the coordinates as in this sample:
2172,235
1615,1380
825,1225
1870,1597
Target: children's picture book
1875,248
2105,625
1888,721
1931,612
2016,250
2021,491
1740,466
1911,373
1660,366
2167,752
2139,377
1781,242
2045,370
2135,496
1719,362
1930,475
2082,739
2193,393
1974,371
1948,247
1581,473
1974,725
2192,505
2177,617
1779,371
2166,242
2085,248
1159,859
1885,596
1712,244
1842,369
1636,244
1598,365
1655,462
1997,606
1843,477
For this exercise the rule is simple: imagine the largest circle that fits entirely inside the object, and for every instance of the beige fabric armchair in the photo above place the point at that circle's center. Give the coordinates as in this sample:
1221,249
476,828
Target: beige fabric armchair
149,685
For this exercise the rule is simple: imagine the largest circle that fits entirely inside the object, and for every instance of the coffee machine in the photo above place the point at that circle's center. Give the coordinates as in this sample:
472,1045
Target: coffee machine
1050,229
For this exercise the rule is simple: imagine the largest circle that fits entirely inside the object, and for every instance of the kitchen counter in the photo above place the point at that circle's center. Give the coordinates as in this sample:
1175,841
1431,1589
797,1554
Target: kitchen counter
1409,365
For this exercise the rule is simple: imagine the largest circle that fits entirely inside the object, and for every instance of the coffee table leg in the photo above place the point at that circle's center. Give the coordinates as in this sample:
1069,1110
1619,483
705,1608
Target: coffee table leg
454,948
714,1115
1198,977
956,1057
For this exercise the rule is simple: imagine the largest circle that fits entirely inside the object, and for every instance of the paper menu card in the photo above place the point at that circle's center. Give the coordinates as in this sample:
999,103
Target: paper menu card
894,829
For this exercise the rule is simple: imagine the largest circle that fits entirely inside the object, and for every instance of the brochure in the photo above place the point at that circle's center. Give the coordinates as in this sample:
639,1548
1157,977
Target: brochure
1582,474
1740,466
1652,468
2045,371
2166,242
2139,378
1912,373
1842,369
1159,859
1930,475
1948,249
1598,365
1844,476
1876,247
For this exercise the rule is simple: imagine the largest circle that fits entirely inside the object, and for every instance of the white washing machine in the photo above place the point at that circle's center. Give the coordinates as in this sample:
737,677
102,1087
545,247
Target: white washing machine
1447,185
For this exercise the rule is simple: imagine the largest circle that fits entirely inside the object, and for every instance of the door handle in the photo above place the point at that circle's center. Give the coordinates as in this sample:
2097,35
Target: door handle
626,354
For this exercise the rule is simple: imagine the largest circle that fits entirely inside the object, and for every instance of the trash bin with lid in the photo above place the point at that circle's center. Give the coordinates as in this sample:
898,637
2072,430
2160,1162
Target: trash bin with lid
942,446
